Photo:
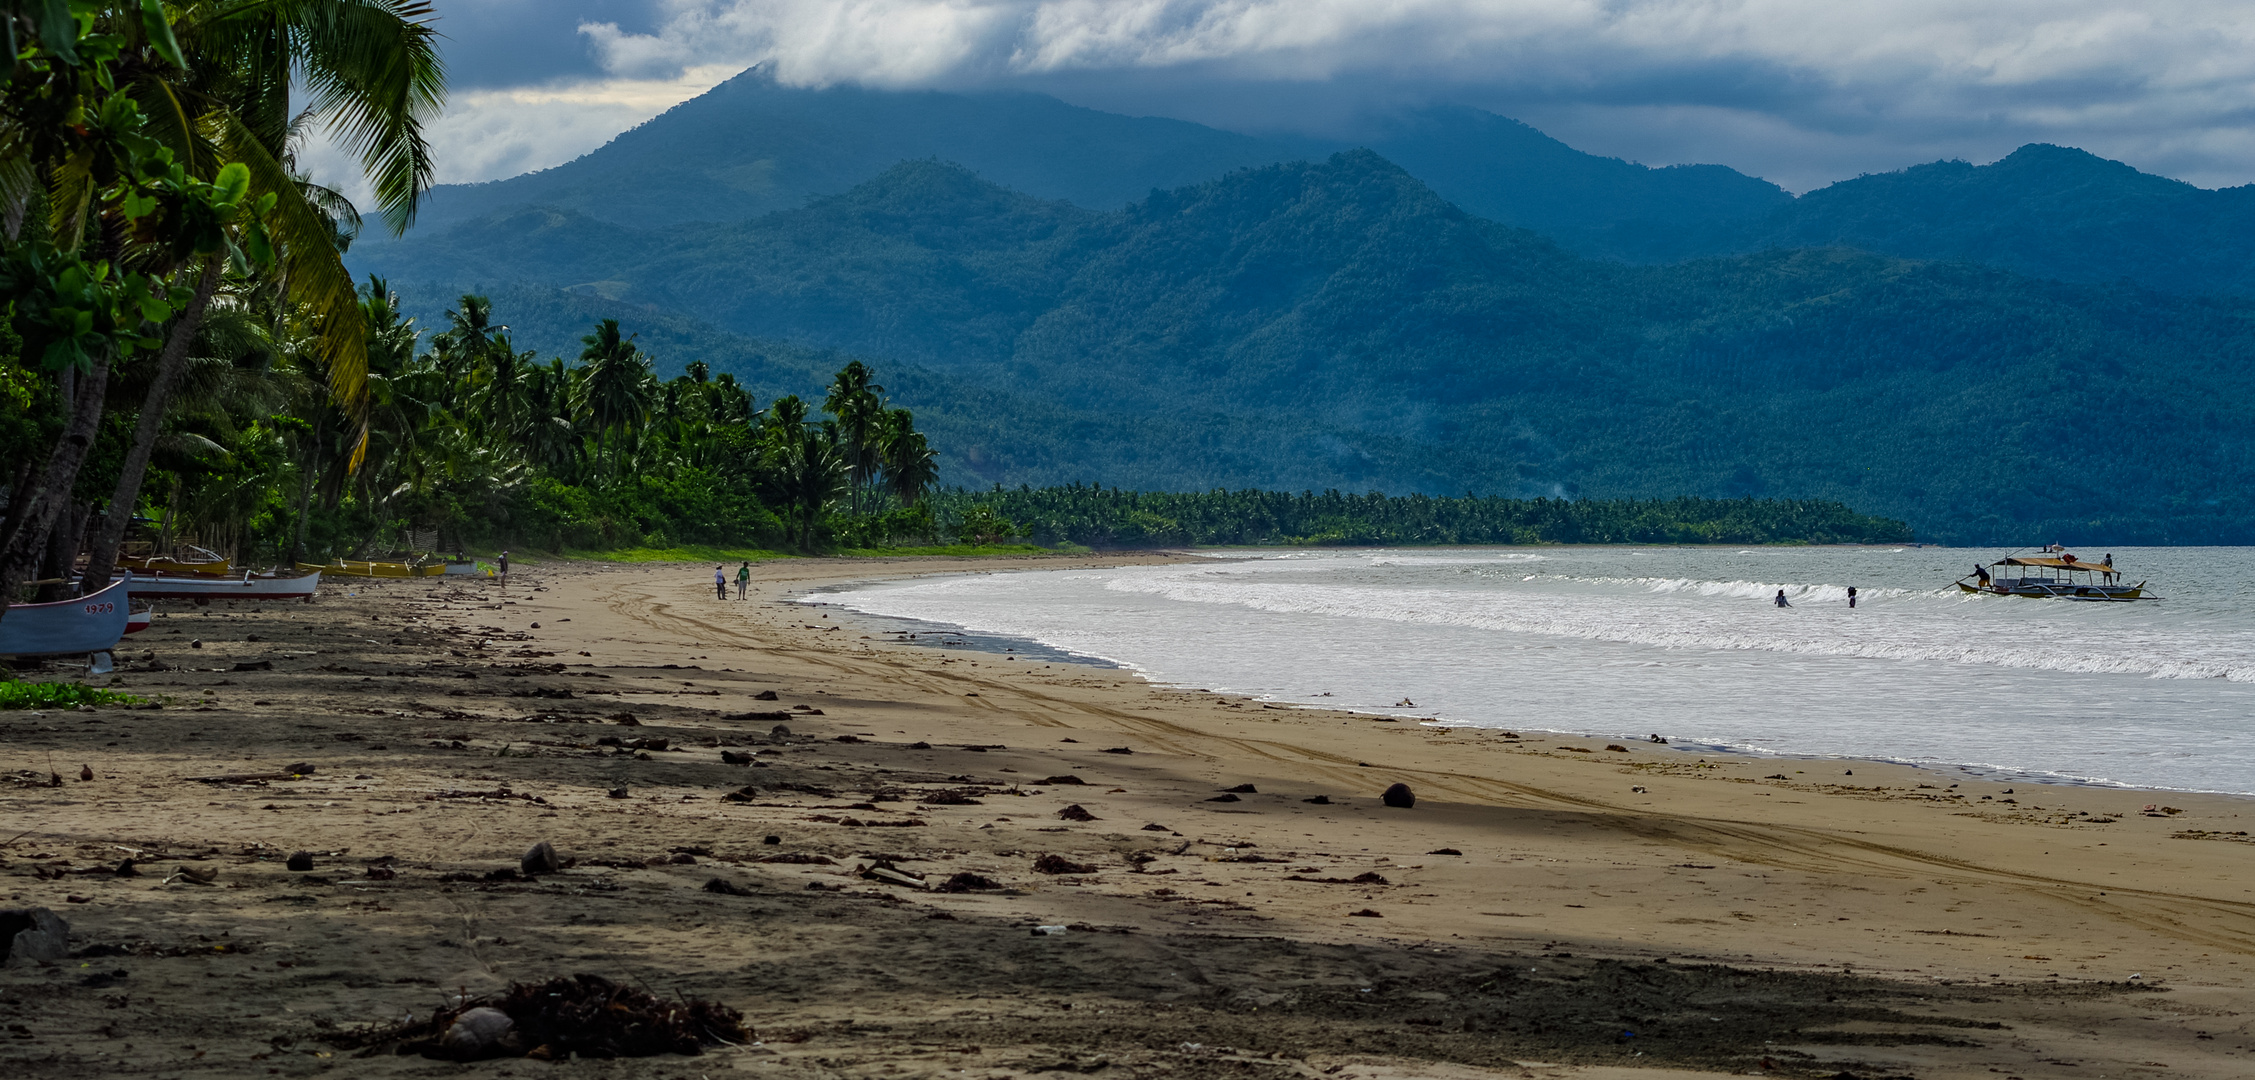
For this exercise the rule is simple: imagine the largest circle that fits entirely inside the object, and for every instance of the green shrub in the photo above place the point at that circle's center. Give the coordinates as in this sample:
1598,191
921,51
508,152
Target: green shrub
15,694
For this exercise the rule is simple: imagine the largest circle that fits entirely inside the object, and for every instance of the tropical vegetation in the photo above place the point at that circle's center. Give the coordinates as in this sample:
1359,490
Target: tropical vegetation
28,694
151,203
1100,517
469,442
1336,324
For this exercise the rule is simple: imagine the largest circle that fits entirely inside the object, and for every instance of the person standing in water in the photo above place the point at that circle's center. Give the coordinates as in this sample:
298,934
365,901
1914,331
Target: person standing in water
1781,599
1851,596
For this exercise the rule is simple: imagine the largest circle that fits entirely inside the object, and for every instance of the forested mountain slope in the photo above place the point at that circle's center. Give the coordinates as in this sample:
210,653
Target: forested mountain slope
750,146
2044,211
1340,323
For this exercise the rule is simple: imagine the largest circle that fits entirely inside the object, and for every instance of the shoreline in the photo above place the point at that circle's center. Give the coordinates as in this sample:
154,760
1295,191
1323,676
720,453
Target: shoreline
994,642
1230,875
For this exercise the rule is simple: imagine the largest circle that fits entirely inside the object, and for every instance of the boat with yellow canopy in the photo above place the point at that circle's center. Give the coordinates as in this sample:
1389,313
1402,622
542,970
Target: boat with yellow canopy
2055,574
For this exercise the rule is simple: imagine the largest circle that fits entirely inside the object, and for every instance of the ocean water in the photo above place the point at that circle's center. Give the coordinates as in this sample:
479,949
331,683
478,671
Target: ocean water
1685,643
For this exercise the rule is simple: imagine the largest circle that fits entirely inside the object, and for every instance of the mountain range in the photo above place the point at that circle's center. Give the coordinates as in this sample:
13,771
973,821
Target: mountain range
1464,305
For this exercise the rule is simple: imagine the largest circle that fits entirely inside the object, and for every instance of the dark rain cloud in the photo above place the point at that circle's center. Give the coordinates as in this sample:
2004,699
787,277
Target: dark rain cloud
1802,93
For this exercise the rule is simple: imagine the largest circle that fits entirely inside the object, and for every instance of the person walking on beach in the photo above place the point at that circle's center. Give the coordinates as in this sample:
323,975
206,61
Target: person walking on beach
1781,599
720,582
504,567
1851,596
743,579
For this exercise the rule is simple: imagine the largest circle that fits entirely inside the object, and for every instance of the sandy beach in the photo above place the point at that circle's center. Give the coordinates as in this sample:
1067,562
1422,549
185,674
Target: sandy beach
1224,891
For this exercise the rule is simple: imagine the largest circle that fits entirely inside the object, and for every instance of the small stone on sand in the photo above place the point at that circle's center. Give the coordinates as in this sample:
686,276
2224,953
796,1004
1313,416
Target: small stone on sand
477,1032
1400,796
541,858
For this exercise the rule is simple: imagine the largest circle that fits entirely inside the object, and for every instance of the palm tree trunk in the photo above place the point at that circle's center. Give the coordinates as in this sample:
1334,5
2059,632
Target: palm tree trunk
55,564
51,493
172,363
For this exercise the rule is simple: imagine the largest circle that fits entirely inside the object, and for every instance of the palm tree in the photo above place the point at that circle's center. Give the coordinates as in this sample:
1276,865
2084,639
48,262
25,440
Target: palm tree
911,465
615,386
372,74
810,470
853,400
499,396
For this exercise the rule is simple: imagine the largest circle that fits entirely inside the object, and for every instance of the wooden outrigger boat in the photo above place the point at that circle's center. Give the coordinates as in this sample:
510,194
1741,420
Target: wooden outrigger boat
206,587
361,568
2055,576
89,624
199,561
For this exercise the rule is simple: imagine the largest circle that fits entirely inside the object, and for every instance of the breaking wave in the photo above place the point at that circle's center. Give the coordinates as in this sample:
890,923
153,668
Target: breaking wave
1619,610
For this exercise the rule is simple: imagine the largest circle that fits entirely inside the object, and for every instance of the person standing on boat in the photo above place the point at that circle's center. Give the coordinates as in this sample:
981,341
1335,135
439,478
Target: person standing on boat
1851,596
1981,573
1781,602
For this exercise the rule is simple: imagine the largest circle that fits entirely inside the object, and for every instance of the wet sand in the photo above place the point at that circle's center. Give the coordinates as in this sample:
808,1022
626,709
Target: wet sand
1535,914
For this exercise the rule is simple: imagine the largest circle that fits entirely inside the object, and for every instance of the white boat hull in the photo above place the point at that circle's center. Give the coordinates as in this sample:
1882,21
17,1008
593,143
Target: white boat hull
89,624
161,586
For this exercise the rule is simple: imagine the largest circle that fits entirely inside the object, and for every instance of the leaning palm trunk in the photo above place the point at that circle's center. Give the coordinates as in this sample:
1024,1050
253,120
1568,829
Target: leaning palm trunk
172,363
21,553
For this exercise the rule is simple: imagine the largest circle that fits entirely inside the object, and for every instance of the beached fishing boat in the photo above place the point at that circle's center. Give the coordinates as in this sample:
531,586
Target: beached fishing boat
2053,575
206,587
186,560
89,624
363,568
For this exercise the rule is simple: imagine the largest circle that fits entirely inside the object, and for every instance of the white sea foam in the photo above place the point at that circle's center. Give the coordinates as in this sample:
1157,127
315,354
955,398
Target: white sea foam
1600,618
1686,642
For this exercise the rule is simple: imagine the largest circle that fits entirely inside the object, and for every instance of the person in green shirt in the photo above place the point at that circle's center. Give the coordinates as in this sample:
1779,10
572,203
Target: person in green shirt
743,580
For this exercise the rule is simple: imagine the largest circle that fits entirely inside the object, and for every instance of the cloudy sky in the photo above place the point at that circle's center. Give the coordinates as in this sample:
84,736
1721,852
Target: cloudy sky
1802,92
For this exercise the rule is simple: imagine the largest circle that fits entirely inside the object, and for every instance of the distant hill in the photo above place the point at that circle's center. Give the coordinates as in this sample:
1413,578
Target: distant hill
2045,211
1500,169
750,146
1340,324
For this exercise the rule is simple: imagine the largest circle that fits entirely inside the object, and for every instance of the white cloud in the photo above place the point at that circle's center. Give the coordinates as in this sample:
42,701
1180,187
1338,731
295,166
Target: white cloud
1942,42
2166,84
491,134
